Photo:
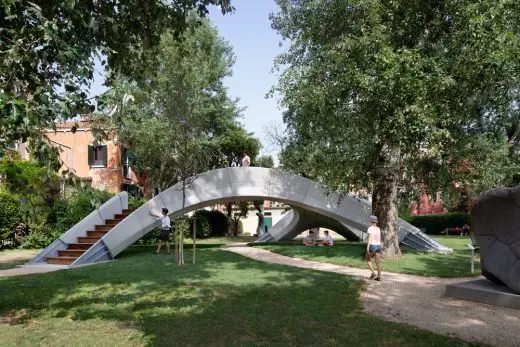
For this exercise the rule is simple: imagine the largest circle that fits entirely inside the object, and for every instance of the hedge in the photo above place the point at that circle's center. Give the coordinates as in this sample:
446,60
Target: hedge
437,223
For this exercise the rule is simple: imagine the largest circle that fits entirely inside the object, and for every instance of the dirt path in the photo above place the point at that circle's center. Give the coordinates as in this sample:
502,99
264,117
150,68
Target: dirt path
14,256
9,256
416,300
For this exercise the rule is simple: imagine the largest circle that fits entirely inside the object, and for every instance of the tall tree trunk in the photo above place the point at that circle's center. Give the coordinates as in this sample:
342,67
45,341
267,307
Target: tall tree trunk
385,199
229,210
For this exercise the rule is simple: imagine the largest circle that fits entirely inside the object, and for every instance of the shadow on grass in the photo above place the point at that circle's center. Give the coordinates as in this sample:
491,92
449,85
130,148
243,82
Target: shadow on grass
224,299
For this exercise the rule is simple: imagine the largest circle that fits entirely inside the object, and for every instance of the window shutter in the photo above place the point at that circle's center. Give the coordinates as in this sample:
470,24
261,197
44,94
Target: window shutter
105,161
90,155
124,155
131,159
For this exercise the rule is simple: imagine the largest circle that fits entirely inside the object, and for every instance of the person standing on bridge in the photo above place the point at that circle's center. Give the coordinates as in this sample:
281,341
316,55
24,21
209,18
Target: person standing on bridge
374,247
246,161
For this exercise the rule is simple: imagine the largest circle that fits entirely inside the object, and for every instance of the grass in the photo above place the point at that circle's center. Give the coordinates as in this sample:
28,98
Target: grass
351,254
455,242
222,240
223,300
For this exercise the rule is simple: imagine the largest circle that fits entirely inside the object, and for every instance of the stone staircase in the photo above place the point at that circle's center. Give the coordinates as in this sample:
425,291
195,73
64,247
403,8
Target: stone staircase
75,250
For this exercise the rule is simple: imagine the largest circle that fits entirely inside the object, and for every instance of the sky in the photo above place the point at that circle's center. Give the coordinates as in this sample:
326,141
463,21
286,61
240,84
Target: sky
255,45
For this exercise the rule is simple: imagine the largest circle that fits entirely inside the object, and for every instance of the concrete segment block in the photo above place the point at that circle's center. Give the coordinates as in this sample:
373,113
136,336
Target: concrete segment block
80,229
249,182
287,187
113,206
318,196
355,212
346,214
121,235
213,185
143,213
172,198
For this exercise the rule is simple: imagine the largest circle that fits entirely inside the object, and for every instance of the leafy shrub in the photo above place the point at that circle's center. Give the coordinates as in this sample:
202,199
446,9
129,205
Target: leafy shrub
22,176
151,238
435,224
217,221
78,207
40,237
203,224
134,203
9,218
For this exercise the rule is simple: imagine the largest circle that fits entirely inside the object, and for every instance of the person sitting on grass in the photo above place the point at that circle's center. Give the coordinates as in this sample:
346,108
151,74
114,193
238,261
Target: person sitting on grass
374,247
310,240
327,240
164,235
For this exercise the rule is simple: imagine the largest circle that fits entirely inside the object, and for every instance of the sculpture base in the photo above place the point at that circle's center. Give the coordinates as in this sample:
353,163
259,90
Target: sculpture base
485,292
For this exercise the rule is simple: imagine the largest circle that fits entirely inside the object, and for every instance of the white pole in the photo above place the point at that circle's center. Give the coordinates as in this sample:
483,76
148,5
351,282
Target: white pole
472,260
194,237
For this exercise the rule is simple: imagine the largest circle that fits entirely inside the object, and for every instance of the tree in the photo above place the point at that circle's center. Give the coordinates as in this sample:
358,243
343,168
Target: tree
265,161
229,146
49,48
182,122
243,207
276,136
382,95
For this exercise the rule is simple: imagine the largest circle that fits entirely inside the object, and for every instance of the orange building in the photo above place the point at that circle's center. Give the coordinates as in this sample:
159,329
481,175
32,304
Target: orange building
105,166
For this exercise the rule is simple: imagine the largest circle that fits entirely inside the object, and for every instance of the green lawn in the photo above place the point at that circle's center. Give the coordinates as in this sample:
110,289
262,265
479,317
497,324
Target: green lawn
351,254
222,240
455,242
223,300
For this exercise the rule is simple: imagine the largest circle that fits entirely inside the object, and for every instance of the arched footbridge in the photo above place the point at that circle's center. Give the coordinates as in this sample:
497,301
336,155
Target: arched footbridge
111,228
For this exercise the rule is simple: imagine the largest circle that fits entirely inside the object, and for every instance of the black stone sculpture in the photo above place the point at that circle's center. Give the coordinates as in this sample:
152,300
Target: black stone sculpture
495,222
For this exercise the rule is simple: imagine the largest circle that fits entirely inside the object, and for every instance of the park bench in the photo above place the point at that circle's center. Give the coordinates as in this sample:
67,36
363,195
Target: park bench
474,246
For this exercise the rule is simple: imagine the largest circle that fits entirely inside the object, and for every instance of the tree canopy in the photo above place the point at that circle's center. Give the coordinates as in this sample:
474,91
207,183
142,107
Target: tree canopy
382,95
48,51
182,121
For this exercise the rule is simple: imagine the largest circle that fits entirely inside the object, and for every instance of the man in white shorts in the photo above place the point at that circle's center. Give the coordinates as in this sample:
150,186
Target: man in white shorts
374,247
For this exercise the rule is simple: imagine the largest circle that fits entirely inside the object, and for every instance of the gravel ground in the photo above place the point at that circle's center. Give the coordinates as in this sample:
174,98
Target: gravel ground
10,257
418,301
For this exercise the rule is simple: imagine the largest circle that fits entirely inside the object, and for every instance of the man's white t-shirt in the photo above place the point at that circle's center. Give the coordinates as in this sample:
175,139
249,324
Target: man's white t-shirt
376,235
329,239
246,161
165,222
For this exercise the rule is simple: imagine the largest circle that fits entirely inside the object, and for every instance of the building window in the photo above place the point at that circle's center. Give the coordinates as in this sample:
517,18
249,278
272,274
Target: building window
97,155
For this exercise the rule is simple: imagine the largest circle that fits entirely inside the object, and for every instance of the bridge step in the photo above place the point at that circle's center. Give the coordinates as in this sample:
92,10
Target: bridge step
83,246
61,260
113,222
96,233
76,250
86,239
71,253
